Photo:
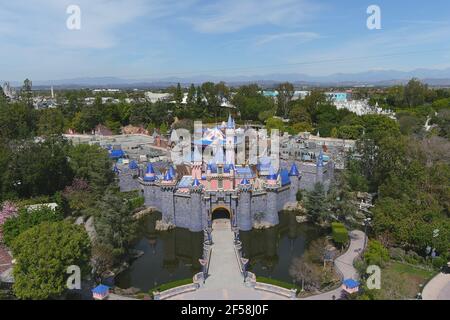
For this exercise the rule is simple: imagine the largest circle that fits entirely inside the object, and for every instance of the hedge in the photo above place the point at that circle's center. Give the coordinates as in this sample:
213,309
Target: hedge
339,233
136,202
278,283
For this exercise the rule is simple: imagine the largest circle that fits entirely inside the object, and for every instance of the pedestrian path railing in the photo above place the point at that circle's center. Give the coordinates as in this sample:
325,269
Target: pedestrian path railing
175,291
289,293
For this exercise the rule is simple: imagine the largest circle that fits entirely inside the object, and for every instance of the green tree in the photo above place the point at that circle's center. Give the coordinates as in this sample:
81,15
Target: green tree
27,219
91,163
114,222
415,92
316,204
51,121
285,93
43,254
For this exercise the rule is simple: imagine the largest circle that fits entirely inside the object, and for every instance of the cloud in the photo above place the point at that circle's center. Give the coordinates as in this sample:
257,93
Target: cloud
299,37
234,15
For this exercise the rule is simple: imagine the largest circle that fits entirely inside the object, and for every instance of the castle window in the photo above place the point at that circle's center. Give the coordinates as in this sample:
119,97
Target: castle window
220,183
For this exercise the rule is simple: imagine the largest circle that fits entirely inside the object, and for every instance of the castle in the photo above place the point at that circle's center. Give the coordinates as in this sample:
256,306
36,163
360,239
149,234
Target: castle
247,195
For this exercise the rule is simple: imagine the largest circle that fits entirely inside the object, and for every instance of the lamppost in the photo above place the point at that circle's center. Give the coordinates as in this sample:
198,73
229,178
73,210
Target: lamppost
366,224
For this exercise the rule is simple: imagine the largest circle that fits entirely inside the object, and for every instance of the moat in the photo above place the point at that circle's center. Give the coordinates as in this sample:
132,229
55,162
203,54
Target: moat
173,255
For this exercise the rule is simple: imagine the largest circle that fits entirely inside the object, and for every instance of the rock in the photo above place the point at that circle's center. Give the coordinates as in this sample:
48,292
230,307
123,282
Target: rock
144,212
164,226
301,219
262,225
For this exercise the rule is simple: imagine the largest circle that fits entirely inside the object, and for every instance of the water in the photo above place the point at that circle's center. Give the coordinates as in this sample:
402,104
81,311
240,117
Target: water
168,256
271,251
173,255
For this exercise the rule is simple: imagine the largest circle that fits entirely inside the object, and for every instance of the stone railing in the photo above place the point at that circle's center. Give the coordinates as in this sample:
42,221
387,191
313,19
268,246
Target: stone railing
289,293
175,291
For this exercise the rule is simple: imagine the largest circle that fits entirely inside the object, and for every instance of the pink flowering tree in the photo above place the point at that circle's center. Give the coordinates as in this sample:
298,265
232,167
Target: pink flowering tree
8,210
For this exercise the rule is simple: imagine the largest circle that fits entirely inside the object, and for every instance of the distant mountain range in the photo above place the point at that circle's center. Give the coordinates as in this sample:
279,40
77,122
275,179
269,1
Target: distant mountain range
434,77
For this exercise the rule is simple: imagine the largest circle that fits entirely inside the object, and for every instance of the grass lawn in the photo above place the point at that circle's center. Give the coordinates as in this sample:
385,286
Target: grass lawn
403,281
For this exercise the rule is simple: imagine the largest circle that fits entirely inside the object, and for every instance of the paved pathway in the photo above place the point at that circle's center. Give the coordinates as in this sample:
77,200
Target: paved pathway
344,264
437,288
225,280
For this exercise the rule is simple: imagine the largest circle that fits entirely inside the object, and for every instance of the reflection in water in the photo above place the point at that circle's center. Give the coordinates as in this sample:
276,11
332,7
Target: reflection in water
168,256
271,250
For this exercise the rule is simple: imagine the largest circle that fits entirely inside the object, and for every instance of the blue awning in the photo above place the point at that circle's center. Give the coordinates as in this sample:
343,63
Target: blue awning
101,289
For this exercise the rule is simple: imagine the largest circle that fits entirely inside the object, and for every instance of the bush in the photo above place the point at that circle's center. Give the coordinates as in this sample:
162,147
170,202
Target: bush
339,233
413,258
376,253
299,195
397,254
136,202
439,262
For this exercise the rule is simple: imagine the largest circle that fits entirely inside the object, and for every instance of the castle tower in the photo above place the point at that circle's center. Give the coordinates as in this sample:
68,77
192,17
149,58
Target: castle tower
196,165
196,206
295,177
167,198
319,168
272,186
244,216
149,187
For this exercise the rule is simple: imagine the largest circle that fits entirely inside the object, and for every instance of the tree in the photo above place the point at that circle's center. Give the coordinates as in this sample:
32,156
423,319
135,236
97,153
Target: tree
43,254
17,121
316,204
26,93
190,101
37,168
285,93
51,121
27,219
250,102
415,93
114,222
275,123
91,163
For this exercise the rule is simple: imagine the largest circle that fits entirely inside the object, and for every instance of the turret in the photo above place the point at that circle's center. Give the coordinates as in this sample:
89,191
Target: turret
295,177
319,168
244,216
196,221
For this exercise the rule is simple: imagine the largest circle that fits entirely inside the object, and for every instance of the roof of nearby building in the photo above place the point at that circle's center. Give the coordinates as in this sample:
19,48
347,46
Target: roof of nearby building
350,283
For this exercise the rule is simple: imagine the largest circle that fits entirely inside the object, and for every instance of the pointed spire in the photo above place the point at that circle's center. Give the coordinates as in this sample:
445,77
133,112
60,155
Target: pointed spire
133,165
294,170
197,155
245,182
230,123
150,168
172,172
320,159
272,173
196,183
168,177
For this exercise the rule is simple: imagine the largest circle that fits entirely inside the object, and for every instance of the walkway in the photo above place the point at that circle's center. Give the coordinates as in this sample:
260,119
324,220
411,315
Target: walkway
225,281
437,288
344,265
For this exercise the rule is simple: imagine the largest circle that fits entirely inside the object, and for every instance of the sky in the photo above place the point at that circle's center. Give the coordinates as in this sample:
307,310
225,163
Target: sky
144,39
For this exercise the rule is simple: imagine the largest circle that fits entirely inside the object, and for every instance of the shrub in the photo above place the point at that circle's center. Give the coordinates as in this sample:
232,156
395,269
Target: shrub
299,195
339,233
376,253
439,262
413,258
136,202
397,254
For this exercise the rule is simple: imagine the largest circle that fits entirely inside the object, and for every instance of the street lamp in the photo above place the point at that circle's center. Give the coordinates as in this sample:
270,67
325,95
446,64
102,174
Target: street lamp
366,223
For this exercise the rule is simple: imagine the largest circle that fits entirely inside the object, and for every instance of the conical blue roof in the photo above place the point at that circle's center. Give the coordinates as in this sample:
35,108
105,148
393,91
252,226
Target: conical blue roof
172,172
272,174
245,182
150,168
294,171
320,159
196,183
168,177
133,165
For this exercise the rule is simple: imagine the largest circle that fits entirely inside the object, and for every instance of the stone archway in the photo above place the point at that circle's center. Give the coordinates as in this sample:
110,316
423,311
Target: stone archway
221,213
